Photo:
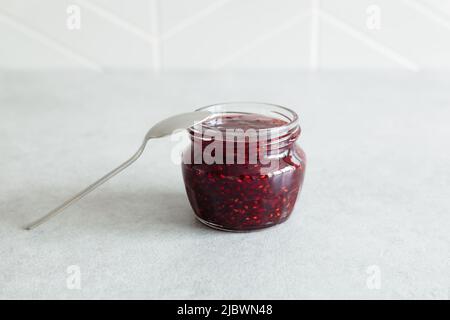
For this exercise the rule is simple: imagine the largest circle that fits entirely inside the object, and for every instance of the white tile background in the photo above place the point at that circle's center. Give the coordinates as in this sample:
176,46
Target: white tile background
225,34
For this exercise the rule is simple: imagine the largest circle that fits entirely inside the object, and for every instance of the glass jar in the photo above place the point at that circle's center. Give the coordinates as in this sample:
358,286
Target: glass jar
243,169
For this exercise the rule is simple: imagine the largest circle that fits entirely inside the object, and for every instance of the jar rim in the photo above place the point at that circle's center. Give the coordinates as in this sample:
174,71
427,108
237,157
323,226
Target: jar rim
262,108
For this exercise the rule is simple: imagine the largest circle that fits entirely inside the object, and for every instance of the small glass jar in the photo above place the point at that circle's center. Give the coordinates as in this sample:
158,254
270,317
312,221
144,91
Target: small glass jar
243,169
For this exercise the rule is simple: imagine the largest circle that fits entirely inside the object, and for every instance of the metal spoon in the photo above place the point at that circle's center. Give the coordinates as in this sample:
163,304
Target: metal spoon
161,129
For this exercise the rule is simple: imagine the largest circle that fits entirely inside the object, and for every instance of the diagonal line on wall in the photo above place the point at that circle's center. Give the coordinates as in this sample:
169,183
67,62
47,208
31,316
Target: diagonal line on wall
428,12
116,20
51,43
186,23
371,43
261,39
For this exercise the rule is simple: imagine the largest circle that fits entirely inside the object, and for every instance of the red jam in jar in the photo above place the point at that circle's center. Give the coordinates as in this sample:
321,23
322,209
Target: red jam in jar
243,169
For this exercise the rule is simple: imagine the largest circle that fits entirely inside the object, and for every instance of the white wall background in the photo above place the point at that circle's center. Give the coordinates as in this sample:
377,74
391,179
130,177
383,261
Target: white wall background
225,34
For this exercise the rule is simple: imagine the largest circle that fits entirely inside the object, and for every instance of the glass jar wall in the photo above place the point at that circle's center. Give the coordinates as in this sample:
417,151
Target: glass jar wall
243,169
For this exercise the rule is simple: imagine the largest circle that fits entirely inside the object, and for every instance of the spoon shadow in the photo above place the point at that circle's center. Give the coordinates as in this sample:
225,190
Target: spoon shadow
137,211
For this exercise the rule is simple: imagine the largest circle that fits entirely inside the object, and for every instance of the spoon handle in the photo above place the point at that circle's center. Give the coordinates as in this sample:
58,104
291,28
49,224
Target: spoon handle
89,189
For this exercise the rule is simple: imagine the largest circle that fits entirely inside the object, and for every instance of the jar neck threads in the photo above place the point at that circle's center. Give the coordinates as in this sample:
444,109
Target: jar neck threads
245,133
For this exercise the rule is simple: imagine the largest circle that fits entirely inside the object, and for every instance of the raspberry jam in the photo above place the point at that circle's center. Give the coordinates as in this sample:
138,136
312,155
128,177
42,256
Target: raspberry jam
249,186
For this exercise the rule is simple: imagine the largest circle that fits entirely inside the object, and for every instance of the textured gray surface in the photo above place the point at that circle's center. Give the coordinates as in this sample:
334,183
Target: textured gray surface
376,189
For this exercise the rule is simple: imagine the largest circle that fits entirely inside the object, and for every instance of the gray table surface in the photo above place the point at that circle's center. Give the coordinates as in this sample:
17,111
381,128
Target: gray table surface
375,203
